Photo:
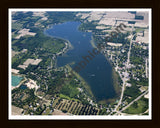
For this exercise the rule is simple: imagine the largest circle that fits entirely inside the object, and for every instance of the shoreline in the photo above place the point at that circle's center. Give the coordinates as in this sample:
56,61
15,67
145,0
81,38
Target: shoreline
85,84
68,45
92,42
116,84
115,77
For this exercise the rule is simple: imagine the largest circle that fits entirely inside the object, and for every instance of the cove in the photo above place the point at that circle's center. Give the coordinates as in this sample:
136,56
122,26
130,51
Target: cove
98,72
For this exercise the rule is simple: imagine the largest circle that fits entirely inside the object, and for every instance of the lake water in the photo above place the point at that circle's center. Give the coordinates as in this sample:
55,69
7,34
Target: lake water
98,72
16,80
23,86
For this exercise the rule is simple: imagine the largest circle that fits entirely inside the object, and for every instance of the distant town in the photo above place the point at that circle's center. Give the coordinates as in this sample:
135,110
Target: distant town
40,87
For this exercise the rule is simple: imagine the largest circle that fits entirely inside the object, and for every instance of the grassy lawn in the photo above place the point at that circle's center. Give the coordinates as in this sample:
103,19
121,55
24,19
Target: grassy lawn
67,97
138,107
139,29
53,45
17,26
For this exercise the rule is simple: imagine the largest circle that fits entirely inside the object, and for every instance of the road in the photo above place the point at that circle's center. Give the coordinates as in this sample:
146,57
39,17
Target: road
129,52
134,101
124,79
146,69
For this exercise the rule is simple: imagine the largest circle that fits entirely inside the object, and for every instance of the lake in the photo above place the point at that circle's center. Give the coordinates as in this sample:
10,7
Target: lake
98,72
16,80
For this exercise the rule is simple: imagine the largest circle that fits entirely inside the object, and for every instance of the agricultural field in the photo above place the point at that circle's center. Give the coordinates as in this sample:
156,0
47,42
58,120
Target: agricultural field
73,107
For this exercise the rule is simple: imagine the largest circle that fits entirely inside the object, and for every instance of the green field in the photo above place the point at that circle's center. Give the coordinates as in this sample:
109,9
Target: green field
67,97
17,26
138,107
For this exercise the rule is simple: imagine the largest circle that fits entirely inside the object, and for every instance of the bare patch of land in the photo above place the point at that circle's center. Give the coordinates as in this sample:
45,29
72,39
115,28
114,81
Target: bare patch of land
15,71
25,32
32,84
30,61
114,44
16,110
58,112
